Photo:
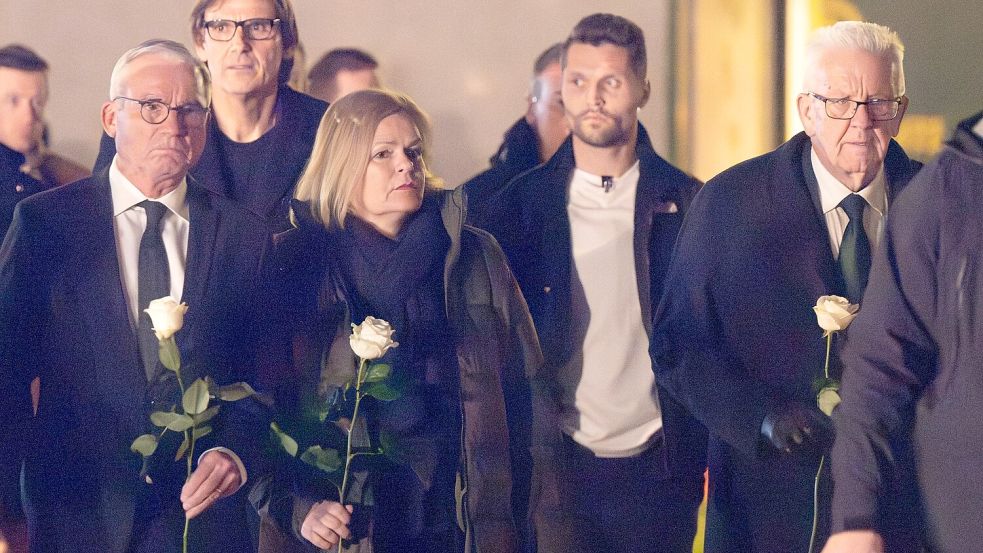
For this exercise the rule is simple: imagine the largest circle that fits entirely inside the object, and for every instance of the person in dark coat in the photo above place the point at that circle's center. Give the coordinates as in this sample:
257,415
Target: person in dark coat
261,131
589,235
532,140
75,268
375,237
912,365
24,89
737,341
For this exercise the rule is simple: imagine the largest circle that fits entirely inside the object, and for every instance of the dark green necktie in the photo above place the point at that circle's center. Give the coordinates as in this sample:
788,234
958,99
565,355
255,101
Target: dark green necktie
854,249
154,282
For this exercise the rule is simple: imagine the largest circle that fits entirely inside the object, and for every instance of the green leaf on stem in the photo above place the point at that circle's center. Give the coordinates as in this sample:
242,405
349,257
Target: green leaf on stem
202,431
206,415
377,372
182,449
175,422
145,445
381,391
235,391
286,442
195,398
328,460
169,354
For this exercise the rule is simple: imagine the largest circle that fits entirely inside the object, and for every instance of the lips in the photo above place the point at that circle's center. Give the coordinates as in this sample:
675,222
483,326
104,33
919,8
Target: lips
407,186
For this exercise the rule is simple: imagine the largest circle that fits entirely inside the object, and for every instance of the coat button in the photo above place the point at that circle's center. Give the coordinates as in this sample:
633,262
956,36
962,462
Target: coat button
547,289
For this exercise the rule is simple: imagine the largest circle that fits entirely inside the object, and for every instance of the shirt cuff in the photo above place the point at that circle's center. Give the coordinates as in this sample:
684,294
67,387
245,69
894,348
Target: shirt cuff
235,459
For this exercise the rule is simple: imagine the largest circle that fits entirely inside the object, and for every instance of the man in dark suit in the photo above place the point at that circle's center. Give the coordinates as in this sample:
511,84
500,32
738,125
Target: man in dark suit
76,271
737,341
23,95
589,235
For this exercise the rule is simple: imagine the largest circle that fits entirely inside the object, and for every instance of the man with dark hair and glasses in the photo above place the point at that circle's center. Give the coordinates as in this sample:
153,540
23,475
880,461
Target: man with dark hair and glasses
738,341
77,269
261,132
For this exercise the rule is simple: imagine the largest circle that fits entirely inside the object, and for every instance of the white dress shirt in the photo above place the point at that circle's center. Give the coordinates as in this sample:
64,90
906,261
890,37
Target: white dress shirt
610,402
129,222
832,192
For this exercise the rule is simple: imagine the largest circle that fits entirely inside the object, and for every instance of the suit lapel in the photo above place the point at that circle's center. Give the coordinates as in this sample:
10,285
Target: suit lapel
104,308
808,192
204,221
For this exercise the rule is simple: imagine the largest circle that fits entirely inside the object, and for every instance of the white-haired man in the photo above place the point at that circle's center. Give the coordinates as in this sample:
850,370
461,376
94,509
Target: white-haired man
737,340
77,268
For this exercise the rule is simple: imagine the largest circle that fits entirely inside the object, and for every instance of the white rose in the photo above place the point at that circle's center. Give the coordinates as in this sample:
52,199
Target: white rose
372,339
167,316
835,313
828,399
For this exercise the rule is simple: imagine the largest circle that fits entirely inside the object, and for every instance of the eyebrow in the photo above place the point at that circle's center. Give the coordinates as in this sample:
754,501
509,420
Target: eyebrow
393,142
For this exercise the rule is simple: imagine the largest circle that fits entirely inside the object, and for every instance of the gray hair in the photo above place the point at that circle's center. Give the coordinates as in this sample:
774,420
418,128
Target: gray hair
170,49
857,35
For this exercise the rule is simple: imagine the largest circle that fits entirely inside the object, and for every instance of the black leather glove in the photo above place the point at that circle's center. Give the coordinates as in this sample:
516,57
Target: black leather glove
798,429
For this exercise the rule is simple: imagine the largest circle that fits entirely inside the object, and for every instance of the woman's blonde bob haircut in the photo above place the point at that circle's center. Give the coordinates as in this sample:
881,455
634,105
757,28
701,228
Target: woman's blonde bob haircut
343,148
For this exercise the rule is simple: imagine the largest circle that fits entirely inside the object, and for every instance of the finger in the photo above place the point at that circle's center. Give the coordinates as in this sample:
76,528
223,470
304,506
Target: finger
210,500
215,474
321,536
341,514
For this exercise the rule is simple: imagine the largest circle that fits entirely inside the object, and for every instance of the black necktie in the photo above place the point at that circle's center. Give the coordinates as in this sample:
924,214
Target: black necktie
154,281
855,248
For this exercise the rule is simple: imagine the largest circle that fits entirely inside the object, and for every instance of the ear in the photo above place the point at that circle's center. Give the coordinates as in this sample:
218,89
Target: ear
646,93
807,113
530,116
896,122
109,118
199,41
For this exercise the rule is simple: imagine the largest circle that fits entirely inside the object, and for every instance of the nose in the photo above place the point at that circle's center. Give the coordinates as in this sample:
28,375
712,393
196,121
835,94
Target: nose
862,118
175,123
595,98
404,164
239,38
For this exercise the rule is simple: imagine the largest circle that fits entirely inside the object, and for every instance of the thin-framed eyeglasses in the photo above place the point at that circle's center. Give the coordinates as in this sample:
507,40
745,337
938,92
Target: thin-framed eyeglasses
879,109
155,112
258,28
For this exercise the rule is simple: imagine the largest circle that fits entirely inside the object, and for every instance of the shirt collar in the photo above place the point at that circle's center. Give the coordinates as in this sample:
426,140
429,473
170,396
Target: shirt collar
126,195
597,180
832,191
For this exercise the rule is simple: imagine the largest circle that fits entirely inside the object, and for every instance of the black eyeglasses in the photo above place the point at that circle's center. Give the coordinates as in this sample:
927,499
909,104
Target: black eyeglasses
223,30
844,108
155,112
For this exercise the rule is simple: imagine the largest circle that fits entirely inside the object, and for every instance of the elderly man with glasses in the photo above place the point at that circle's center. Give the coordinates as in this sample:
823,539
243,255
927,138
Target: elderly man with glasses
77,269
737,340
262,131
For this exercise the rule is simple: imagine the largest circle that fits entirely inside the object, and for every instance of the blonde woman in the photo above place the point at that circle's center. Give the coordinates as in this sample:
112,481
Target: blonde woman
374,235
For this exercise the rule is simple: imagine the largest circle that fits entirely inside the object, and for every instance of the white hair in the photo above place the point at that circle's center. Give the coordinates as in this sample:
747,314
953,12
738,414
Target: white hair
170,49
857,35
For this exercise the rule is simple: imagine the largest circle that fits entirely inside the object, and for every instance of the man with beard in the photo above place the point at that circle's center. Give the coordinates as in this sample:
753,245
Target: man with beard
589,235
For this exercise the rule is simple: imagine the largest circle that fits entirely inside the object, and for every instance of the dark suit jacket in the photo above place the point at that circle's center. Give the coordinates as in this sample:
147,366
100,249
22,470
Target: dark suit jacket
275,174
64,318
736,336
534,230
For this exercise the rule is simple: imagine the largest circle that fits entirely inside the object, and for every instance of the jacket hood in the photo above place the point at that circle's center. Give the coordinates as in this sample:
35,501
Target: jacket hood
967,140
